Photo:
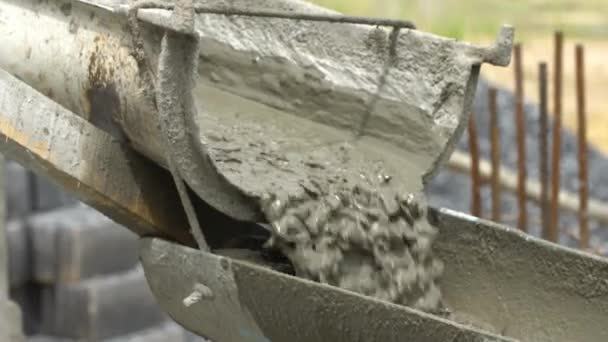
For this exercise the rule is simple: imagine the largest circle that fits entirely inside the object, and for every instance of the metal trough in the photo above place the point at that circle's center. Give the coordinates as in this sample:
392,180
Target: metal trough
501,285
234,300
402,96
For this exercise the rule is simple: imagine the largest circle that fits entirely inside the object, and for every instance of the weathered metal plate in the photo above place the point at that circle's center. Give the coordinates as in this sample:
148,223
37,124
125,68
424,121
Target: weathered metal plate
105,173
519,285
245,302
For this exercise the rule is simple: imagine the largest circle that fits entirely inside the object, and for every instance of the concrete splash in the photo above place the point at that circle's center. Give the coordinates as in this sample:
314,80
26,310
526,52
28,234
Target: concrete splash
368,238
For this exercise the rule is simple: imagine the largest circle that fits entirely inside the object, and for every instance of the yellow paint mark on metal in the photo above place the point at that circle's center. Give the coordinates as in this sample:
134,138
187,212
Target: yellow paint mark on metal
98,185
38,148
42,150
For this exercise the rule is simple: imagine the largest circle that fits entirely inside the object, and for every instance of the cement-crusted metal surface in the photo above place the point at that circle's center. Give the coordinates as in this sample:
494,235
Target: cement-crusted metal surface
244,302
319,73
329,73
43,136
330,76
521,286
177,68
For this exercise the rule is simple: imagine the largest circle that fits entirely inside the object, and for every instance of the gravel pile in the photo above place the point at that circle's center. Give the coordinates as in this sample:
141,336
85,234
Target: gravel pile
453,190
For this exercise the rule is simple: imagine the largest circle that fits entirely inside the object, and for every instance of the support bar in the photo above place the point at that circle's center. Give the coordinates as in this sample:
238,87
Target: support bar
45,137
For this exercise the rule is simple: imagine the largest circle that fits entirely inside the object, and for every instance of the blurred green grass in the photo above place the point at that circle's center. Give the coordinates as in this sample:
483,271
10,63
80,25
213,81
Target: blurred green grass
474,19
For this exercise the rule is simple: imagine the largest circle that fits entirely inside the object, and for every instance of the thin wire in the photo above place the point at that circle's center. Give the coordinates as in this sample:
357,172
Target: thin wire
393,39
330,18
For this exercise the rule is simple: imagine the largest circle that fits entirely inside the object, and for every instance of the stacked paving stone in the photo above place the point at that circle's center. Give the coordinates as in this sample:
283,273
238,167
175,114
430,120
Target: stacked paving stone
10,314
75,273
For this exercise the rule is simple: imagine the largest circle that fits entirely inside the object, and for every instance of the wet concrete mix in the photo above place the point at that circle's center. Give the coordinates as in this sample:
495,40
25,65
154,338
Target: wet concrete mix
342,214
368,238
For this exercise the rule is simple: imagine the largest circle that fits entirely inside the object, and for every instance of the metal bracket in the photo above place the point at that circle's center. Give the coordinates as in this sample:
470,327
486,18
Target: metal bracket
174,102
186,156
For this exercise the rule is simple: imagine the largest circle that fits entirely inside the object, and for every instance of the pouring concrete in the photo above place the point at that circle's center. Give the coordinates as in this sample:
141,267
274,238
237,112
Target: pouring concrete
309,88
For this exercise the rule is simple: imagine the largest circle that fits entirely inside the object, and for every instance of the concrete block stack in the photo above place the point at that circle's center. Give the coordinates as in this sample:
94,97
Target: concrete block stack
75,273
10,314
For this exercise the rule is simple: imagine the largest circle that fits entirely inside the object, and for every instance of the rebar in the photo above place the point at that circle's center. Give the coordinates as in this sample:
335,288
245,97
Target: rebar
475,176
543,131
4,252
582,148
522,222
557,128
495,156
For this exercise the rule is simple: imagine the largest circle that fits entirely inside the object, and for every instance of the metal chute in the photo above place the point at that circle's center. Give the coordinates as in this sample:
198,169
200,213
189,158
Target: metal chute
77,104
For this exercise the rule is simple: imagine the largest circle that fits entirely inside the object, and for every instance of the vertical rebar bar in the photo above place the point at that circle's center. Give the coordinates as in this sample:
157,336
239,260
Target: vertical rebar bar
557,141
582,147
522,221
495,156
4,254
475,175
543,150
